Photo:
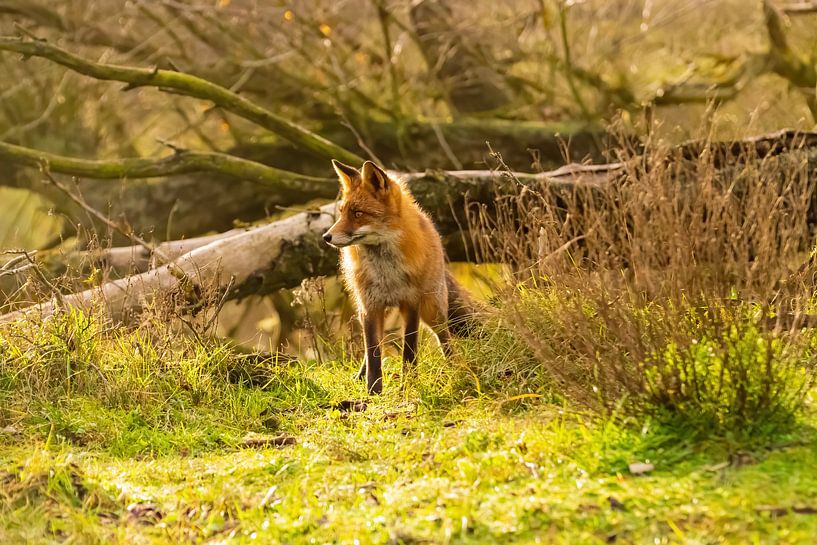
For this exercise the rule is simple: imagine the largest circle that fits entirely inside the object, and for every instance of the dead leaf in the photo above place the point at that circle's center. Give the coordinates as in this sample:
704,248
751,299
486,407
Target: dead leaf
717,467
640,468
144,513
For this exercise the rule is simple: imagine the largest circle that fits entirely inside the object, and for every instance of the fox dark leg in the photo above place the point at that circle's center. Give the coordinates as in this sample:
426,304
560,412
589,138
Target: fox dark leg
411,324
372,334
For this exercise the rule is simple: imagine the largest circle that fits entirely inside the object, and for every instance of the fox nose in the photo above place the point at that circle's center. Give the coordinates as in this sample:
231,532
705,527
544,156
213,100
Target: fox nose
327,237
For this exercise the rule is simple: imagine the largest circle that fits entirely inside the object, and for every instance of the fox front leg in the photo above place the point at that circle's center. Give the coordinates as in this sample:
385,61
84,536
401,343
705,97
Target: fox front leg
372,334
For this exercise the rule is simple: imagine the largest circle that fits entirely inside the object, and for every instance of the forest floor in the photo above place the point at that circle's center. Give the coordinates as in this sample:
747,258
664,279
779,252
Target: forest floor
289,461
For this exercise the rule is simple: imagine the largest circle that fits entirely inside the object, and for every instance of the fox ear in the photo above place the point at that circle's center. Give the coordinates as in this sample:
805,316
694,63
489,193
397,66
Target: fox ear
346,174
375,176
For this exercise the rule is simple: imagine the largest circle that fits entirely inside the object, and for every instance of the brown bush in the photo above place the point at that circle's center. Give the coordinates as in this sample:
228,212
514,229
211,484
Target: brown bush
675,288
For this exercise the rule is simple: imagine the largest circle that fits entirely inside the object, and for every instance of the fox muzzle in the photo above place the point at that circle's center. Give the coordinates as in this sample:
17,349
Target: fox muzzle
340,240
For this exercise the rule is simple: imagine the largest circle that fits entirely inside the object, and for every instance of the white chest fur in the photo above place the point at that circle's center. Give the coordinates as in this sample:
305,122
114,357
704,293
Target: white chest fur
379,277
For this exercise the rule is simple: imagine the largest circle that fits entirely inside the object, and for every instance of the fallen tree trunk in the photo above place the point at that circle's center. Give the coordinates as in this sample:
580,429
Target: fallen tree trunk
441,199
281,254
441,193
138,259
259,260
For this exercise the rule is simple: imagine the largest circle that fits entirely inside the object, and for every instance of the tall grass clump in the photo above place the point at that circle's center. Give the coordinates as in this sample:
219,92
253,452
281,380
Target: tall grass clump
78,377
676,285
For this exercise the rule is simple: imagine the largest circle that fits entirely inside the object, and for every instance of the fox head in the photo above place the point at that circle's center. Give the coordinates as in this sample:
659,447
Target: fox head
369,207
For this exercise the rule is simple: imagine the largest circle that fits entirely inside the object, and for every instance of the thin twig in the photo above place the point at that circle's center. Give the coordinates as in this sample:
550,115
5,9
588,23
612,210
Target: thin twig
220,305
444,145
15,260
29,256
360,141
136,239
18,270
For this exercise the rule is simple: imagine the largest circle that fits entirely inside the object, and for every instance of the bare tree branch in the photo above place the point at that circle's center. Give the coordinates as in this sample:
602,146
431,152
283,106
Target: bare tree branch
34,11
783,60
184,84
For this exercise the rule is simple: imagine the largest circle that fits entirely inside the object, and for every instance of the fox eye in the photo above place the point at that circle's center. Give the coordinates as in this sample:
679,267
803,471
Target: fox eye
358,214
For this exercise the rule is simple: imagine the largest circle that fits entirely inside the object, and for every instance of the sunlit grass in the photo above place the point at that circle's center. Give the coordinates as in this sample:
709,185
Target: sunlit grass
478,476
142,442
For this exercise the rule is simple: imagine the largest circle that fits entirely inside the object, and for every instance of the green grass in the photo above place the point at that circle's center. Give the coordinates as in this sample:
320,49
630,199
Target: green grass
471,476
138,442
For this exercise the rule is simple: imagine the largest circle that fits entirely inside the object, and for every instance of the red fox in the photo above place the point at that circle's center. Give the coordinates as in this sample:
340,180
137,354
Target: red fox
392,256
